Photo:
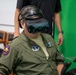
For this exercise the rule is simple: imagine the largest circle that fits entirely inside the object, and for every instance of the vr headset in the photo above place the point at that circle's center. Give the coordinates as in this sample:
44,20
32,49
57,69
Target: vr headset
38,25
34,20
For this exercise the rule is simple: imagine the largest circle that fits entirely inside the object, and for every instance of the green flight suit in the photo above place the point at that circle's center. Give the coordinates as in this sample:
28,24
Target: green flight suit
25,57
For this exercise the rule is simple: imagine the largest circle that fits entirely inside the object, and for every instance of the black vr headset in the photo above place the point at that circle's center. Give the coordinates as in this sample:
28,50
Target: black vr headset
34,19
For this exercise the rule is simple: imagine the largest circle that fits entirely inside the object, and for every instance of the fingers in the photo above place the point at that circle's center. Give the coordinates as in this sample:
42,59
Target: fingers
60,39
60,42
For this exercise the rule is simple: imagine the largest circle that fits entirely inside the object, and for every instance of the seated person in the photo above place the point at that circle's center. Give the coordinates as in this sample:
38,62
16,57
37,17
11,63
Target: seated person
34,52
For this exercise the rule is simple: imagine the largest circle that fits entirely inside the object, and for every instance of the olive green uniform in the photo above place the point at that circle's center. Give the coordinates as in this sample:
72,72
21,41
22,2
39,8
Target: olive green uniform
25,57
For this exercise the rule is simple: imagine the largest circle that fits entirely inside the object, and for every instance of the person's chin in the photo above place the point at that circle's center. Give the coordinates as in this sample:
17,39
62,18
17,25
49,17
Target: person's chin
35,36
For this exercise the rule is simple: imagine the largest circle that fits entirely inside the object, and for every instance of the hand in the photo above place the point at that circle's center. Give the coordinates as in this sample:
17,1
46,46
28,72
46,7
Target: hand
59,68
60,39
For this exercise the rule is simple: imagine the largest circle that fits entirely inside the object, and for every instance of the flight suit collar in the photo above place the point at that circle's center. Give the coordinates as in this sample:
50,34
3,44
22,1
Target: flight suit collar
25,38
46,41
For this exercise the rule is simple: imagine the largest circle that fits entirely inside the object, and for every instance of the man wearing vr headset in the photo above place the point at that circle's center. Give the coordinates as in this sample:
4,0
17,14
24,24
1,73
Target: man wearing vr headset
51,10
33,52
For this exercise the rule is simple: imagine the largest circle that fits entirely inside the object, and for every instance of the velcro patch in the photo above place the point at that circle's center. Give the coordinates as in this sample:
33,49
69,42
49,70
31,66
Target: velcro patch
6,50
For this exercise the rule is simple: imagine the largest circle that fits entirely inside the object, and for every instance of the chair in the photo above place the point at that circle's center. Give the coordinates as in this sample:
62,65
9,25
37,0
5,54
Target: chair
9,37
3,37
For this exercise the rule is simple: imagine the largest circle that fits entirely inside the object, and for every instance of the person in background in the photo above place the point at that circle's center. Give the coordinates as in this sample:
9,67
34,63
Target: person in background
32,53
51,10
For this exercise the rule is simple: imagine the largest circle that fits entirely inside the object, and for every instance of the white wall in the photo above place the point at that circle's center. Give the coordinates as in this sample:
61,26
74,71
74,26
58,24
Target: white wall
7,11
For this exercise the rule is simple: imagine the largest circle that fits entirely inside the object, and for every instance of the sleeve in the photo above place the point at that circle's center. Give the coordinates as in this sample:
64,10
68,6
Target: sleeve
7,60
59,57
58,6
21,3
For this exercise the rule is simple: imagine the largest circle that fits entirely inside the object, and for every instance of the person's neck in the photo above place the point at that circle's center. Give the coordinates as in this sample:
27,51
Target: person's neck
31,35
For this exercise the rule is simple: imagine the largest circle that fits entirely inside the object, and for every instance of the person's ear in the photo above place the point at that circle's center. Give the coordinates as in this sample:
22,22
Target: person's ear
22,24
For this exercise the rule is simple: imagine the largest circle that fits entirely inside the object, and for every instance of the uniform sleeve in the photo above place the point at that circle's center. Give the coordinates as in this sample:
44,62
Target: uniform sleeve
58,6
59,57
21,3
7,60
